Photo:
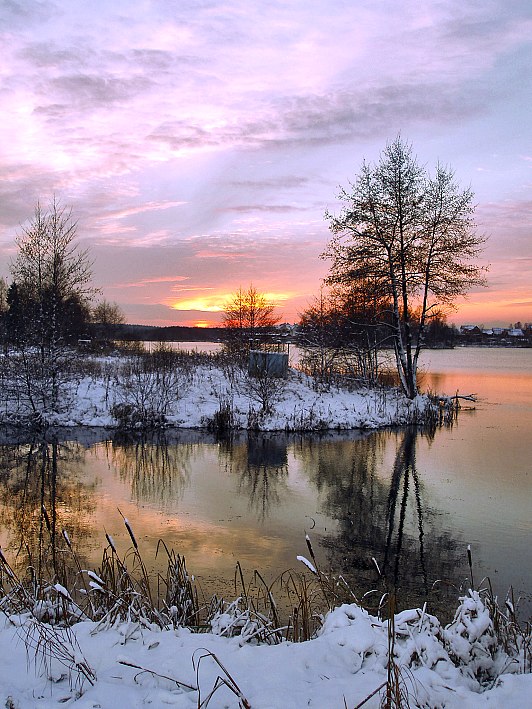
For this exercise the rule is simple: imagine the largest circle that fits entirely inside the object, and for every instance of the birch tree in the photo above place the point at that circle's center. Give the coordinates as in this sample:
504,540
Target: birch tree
412,236
48,301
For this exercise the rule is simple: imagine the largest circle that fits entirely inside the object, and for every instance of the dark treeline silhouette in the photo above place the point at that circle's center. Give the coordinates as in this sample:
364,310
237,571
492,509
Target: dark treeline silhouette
154,333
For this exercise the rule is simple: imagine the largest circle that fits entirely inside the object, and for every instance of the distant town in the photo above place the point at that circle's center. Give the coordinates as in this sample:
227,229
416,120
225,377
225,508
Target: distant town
515,335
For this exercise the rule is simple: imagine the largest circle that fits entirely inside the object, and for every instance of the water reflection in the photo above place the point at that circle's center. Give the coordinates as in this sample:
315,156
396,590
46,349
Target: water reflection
40,495
260,461
156,471
383,513
380,512
404,472
249,498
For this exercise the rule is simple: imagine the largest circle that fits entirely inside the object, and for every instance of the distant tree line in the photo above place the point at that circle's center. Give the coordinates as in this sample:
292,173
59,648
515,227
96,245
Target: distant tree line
154,333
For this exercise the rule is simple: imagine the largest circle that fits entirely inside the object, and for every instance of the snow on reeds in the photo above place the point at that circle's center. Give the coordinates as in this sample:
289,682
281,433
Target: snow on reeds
484,641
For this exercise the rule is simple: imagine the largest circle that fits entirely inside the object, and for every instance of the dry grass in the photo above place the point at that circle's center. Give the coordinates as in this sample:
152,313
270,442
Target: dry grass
121,590
395,692
43,615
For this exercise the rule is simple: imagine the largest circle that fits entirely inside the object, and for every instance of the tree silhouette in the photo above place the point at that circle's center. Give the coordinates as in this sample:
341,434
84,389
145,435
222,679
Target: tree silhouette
410,237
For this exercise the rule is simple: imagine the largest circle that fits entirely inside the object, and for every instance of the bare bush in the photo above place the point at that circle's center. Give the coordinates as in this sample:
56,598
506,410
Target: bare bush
147,385
35,389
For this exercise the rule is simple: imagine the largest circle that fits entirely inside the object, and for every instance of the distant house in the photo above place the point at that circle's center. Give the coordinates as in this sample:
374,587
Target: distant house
495,336
285,328
470,330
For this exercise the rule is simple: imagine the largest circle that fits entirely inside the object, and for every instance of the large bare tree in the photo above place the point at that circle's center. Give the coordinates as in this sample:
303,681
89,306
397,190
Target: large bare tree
411,237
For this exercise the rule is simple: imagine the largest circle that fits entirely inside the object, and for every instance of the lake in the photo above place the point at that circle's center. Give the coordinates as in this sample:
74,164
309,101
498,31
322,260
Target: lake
410,501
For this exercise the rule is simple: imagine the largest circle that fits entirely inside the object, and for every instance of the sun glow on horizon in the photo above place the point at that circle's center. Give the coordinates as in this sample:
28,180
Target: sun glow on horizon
276,298
206,304
219,303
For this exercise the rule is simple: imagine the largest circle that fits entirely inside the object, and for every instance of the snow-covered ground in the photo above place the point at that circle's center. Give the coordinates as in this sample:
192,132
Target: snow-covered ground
294,403
132,665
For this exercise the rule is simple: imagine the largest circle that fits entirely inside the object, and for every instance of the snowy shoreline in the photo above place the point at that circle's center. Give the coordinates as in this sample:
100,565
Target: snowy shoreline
133,664
296,403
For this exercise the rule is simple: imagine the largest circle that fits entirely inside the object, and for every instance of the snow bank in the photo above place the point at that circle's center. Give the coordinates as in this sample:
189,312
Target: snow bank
458,667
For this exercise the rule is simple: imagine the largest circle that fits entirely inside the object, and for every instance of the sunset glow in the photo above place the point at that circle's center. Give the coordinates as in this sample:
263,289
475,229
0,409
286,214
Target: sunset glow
200,144
212,304
218,303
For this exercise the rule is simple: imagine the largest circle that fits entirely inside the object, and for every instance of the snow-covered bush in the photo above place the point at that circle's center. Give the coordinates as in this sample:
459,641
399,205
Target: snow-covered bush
232,620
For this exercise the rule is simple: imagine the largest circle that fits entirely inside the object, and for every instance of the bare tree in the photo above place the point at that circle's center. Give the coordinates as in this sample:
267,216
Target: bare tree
247,315
48,303
106,319
53,273
411,237
106,313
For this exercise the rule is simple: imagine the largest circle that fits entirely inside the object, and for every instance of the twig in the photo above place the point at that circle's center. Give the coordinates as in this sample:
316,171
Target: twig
158,674
370,695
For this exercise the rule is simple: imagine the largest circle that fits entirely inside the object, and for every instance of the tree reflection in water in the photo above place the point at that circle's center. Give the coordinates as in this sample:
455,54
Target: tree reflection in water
366,486
404,468
156,470
386,518
261,462
41,494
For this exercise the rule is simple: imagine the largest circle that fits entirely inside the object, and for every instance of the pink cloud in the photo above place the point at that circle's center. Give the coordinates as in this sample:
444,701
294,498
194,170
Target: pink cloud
208,140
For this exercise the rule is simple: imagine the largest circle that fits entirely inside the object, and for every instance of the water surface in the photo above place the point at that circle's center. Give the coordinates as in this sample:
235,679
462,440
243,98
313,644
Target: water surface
412,501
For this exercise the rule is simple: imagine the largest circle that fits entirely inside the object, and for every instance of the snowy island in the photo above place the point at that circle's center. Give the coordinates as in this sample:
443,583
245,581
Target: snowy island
203,392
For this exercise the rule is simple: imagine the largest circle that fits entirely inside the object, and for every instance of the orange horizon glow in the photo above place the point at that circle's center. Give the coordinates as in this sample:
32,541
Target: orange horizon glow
205,304
492,310
207,312
218,303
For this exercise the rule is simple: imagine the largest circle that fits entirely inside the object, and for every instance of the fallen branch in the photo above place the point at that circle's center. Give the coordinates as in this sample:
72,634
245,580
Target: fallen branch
455,397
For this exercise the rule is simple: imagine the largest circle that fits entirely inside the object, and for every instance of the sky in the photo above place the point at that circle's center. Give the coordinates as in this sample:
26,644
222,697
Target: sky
199,143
